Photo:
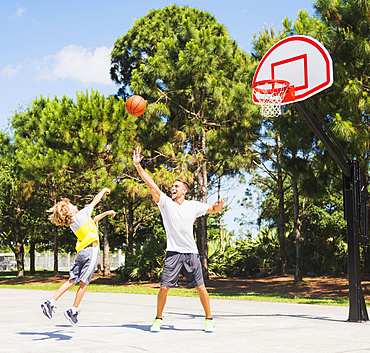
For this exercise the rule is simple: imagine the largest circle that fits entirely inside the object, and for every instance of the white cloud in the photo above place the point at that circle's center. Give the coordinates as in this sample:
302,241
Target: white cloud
10,71
77,63
19,13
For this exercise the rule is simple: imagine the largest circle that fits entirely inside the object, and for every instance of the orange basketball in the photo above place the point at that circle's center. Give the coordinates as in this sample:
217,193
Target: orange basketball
135,105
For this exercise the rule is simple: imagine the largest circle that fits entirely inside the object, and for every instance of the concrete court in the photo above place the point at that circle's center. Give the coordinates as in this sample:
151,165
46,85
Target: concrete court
111,322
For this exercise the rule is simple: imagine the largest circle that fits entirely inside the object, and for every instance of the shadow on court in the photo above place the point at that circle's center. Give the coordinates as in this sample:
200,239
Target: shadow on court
58,335
240,316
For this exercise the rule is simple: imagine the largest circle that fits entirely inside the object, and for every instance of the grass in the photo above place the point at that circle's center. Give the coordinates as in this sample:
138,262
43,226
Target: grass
7,275
182,292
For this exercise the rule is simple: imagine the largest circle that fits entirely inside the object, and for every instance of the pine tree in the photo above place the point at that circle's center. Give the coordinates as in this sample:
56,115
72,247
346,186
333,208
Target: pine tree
74,148
183,60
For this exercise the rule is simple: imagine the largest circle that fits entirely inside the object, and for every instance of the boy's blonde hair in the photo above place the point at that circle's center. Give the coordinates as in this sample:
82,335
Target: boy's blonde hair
60,214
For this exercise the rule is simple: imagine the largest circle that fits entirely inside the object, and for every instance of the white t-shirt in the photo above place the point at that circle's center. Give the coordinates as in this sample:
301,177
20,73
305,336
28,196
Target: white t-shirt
84,228
81,217
178,223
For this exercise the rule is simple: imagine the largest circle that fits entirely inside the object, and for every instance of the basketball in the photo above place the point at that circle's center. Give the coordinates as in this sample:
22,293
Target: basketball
135,105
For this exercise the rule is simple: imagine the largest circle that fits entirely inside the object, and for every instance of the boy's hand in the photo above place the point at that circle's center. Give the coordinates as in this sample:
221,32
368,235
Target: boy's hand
111,213
106,191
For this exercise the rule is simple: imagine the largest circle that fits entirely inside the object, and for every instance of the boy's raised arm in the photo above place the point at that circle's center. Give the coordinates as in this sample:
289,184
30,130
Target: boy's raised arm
99,196
98,217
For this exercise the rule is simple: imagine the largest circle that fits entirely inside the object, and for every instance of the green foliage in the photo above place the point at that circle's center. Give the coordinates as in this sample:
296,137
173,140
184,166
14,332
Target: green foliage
196,79
200,126
20,205
322,226
245,257
145,262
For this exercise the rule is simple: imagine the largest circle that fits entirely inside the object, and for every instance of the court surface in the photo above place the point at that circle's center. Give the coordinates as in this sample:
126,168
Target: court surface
111,322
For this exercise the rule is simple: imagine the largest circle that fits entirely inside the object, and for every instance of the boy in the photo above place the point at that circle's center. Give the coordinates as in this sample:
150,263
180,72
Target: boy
88,252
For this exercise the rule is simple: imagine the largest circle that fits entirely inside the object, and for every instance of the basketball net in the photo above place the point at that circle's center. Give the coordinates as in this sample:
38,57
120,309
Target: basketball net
270,95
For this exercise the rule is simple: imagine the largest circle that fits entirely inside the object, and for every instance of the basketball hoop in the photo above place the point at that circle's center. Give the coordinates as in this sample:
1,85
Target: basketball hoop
270,95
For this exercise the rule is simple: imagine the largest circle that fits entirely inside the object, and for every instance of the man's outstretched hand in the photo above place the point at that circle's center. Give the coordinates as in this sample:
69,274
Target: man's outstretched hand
137,157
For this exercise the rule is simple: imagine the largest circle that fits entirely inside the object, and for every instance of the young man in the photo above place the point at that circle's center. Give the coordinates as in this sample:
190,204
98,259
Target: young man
178,217
88,252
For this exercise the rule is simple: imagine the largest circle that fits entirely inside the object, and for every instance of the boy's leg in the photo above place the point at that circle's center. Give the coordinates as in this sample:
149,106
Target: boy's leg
80,293
204,299
63,288
71,314
48,306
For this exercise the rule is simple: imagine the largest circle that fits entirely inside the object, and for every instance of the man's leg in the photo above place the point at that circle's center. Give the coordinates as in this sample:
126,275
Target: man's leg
171,268
204,299
161,301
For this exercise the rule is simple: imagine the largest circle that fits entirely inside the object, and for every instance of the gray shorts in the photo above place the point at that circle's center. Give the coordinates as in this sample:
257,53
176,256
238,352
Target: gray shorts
188,263
85,264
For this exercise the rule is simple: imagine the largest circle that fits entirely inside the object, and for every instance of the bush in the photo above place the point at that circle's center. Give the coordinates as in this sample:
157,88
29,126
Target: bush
145,262
245,257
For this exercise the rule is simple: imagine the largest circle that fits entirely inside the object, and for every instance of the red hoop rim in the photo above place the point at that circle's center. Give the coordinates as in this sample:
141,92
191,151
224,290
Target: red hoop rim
264,82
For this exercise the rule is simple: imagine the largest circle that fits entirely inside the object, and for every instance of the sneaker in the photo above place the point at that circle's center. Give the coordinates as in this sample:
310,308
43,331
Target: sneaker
156,326
72,318
210,326
48,309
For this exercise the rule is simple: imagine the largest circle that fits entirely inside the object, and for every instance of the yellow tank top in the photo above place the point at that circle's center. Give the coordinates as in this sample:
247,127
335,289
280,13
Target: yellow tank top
86,235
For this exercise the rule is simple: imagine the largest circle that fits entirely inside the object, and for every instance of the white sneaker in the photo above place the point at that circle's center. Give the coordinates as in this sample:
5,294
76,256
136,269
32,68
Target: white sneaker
156,326
210,326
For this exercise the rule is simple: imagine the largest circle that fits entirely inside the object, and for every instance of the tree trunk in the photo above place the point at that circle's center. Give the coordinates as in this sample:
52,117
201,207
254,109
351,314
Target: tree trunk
32,258
202,185
220,216
201,230
364,218
298,246
304,223
129,223
17,245
55,250
106,263
55,235
281,224
19,257
202,244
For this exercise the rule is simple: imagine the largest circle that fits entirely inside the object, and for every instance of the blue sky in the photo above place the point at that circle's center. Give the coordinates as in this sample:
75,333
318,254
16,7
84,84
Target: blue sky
56,48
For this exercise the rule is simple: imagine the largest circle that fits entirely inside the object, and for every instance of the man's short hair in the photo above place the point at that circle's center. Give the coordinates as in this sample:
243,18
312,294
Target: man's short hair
187,186
60,214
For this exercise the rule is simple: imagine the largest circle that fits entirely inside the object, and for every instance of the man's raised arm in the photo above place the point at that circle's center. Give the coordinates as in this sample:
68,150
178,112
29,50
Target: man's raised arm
148,180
